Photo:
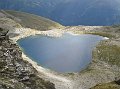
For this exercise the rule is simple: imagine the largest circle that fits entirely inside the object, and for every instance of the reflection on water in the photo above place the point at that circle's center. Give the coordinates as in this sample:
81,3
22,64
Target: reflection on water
65,54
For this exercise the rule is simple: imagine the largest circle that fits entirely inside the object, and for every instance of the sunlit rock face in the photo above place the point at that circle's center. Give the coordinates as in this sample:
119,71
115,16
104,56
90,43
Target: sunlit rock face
70,12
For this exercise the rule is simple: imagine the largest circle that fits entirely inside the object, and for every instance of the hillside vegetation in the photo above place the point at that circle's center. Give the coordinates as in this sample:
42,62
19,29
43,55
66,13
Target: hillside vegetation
31,21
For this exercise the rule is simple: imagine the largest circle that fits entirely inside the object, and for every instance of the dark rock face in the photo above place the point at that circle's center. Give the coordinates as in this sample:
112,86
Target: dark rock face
118,82
14,72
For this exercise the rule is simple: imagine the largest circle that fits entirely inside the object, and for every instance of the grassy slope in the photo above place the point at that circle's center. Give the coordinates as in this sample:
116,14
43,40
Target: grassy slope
32,21
107,86
108,51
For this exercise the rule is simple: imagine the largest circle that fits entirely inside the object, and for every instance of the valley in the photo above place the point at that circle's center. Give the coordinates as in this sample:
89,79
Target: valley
103,70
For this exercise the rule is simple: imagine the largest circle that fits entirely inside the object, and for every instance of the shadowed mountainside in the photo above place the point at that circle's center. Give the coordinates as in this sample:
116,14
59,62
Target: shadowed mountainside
70,12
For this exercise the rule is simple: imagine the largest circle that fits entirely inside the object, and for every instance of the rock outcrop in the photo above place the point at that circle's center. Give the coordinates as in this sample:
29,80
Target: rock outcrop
14,72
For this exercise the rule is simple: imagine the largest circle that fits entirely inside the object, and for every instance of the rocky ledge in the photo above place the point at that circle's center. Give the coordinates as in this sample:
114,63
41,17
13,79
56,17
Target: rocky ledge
14,72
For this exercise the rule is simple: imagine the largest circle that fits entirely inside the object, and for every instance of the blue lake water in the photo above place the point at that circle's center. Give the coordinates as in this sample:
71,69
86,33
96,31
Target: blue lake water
65,54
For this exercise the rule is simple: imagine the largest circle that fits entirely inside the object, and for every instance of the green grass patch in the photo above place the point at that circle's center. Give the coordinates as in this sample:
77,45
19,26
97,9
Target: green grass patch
107,86
104,34
108,53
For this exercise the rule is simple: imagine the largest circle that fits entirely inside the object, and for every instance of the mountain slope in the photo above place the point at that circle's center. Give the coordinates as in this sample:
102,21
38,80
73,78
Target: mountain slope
31,21
70,12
